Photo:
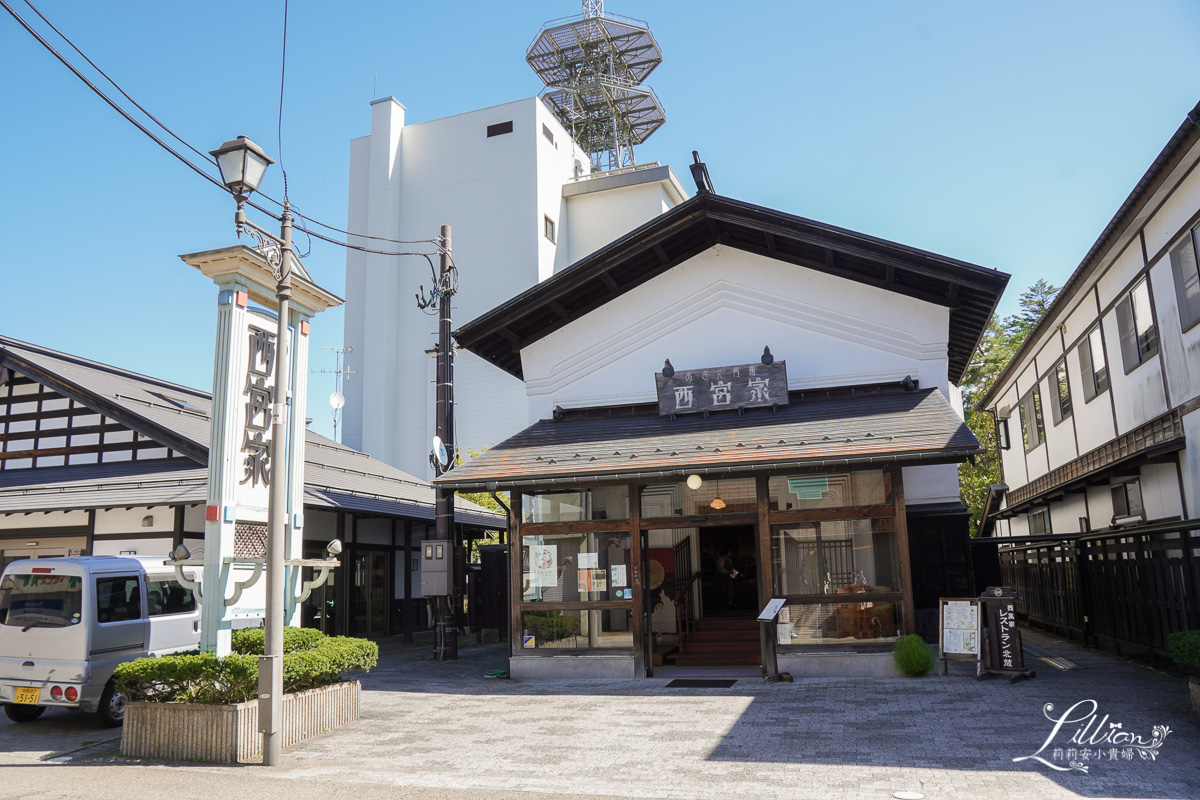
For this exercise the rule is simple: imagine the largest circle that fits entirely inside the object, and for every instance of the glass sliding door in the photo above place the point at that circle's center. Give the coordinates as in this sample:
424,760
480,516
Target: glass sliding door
369,594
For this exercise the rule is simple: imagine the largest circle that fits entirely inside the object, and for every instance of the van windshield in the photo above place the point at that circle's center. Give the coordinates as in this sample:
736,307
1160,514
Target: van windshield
41,601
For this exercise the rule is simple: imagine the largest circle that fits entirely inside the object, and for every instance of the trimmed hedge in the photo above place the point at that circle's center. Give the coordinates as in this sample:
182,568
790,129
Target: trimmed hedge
310,659
1185,649
913,656
252,641
550,626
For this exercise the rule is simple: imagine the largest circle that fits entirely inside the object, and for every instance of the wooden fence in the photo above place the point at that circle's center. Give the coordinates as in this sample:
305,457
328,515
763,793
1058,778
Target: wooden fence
1121,589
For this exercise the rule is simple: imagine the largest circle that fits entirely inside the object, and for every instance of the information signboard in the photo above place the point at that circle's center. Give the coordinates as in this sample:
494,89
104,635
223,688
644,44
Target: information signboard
959,632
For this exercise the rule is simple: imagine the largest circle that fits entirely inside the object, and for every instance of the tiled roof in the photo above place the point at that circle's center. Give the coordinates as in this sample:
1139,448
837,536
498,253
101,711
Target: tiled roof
333,475
913,427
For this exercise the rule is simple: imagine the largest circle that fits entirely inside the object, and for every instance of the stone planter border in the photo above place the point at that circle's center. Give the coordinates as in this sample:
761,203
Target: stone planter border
228,734
1194,690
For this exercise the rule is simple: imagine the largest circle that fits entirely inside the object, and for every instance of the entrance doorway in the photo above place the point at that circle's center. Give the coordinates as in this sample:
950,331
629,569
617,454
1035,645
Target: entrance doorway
722,596
724,632
369,593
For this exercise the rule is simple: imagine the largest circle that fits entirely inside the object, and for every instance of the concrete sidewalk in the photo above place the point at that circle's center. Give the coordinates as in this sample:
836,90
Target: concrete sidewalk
444,730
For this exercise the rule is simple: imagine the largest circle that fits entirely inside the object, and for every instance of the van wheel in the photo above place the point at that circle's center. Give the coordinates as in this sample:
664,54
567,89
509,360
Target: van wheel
112,706
23,713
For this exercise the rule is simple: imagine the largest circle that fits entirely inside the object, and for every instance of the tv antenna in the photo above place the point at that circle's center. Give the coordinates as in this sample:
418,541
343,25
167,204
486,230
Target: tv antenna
337,400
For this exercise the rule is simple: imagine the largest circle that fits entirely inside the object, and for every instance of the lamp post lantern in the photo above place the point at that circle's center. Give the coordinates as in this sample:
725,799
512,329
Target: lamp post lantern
242,164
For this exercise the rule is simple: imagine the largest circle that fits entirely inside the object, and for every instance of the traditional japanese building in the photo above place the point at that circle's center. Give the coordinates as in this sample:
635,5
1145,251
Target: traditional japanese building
96,460
731,403
1098,516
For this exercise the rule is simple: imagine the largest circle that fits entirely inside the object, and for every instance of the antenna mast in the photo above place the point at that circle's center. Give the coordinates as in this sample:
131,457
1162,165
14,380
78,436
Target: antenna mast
593,66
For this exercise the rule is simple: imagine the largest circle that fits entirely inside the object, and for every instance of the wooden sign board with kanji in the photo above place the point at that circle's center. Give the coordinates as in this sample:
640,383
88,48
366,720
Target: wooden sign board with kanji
695,391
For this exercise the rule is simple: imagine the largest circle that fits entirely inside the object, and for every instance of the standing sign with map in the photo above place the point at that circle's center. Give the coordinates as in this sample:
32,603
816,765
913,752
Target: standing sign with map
959,632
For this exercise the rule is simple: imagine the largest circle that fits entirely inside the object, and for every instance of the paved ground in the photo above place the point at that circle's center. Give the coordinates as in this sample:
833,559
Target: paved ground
443,730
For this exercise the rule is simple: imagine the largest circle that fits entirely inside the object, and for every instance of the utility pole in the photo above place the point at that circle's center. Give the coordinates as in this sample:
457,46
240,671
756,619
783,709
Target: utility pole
445,641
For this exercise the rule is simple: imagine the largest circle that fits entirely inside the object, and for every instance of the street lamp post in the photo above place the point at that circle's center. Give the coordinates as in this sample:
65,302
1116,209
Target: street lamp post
242,164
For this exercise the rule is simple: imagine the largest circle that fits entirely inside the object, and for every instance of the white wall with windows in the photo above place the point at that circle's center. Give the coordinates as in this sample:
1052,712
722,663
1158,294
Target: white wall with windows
497,176
1118,351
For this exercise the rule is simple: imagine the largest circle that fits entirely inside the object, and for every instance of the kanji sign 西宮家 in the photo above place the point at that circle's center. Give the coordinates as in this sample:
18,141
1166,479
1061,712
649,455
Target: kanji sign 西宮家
696,391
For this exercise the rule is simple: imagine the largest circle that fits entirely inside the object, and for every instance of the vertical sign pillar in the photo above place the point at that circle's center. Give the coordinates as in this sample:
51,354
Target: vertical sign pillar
240,472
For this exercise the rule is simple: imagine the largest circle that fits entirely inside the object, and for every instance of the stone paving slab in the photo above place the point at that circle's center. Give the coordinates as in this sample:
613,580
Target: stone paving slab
443,725
444,728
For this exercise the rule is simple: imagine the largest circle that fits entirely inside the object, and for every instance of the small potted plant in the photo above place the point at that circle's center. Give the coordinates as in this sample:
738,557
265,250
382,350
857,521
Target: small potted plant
1185,649
913,656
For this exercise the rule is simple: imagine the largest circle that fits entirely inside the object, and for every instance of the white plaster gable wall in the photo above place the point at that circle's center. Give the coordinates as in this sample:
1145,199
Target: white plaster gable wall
721,307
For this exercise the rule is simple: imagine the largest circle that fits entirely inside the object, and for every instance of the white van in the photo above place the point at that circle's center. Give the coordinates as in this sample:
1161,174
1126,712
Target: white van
66,623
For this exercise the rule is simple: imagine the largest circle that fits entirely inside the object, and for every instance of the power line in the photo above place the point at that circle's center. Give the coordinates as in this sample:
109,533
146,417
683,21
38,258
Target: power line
107,99
94,66
205,156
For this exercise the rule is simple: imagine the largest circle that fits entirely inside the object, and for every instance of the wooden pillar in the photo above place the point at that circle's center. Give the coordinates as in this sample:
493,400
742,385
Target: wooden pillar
766,566
177,538
643,663
906,588
515,554
408,613
341,594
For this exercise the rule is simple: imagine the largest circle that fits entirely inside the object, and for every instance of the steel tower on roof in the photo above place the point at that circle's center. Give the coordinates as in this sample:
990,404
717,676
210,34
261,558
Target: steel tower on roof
593,66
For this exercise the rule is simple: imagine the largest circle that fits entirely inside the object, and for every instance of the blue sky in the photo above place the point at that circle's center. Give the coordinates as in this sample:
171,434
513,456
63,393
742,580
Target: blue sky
1004,134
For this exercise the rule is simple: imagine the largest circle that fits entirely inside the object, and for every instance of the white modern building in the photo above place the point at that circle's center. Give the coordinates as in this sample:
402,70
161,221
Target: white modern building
522,205
1099,415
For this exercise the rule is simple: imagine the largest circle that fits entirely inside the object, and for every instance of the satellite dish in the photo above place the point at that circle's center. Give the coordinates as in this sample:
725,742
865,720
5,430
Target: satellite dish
439,451
337,400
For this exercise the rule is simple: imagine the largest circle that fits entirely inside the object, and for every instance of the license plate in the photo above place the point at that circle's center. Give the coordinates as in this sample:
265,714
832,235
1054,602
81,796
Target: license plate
27,695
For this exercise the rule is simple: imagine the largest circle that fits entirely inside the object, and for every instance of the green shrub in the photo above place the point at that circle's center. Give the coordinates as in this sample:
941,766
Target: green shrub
550,626
309,661
189,678
252,641
1185,649
913,656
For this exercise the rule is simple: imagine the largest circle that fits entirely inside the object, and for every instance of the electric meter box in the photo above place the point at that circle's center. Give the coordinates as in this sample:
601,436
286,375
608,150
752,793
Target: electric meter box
437,568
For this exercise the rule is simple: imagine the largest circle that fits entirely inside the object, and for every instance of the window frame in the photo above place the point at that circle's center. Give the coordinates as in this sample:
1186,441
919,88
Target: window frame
1189,310
1136,325
1061,407
1043,514
135,600
549,229
1030,410
1095,382
499,129
1130,509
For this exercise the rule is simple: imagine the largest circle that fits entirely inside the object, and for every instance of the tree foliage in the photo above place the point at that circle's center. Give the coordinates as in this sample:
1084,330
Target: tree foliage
484,499
1001,341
